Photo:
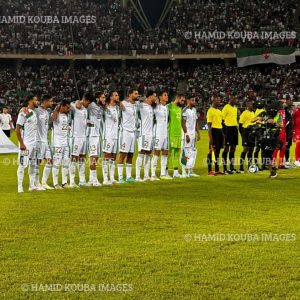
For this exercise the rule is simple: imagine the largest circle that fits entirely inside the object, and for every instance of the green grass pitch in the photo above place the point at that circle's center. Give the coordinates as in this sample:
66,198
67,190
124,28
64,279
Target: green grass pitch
150,237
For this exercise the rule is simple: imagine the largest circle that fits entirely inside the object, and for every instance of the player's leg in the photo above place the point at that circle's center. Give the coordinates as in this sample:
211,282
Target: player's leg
23,164
112,162
155,156
47,168
94,154
123,144
139,160
57,159
107,150
75,151
130,144
287,151
82,162
32,169
175,161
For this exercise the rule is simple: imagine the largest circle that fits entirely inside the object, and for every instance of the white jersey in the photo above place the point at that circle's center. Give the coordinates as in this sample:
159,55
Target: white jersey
146,113
79,122
42,124
111,125
190,115
161,115
129,117
60,131
95,116
28,122
5,120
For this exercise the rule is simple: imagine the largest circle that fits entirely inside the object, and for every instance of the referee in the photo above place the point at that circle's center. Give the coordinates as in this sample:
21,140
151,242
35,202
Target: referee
245,129
229,116
215,135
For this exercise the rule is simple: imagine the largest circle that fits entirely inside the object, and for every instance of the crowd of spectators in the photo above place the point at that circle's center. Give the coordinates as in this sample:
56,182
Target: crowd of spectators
202,80
113,30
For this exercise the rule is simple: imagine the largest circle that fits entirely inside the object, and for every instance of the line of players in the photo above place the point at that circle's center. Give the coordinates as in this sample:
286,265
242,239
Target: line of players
224,127
99,124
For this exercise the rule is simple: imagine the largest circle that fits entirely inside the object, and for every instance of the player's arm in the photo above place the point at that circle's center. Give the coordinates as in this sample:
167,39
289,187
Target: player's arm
184,128
20,124
197,130
54,115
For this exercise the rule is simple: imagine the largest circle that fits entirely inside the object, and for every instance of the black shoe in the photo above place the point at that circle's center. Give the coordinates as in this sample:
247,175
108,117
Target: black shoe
235,171
274,173
228,172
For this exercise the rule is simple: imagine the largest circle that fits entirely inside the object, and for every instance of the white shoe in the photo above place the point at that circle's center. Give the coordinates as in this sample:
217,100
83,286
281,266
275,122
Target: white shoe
106,182
297,163
96,183
166,177
138,180
32,188
20,189
40,188
154,178
47,187
185,175
194,175
83,183
177,176
146,179
58,187
73,186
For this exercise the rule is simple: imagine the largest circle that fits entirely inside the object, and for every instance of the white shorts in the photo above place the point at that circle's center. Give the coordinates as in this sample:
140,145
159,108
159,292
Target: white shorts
61,155
43,151
79,146
110,145
191,144
29,154
94,144
145,143
161,143
127,142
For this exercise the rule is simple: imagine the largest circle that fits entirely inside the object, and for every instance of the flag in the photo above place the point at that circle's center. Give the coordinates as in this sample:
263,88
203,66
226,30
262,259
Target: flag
253,56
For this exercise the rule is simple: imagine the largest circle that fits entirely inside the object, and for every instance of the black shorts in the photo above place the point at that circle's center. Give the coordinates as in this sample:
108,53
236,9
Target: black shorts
231,136
248,140
289,140
218,138
7,133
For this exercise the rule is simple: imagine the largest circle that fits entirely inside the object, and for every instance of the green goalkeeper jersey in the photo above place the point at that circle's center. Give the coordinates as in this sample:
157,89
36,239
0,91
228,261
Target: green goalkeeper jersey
174,120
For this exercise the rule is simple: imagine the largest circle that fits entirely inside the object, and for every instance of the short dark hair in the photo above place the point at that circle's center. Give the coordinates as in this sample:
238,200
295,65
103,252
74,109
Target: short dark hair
28,99
150,93
98,94
89,97
161,92
110,95
131,91
65,102
4,107
46,98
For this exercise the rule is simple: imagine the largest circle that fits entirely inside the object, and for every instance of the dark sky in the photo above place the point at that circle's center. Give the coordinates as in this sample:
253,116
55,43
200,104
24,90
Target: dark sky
153,9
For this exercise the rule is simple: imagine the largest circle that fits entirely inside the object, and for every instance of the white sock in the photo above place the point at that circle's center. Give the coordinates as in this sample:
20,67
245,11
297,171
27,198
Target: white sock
93,175
72,170
105,169
147,160
120,171
139,163
64,174
154,165
175,172
184,171
163,165
112,170
81,170
46,173
128,171
31,173
37,174
55,171
20,175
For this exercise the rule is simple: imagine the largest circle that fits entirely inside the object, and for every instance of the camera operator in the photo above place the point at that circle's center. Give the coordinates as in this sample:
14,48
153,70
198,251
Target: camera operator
272,124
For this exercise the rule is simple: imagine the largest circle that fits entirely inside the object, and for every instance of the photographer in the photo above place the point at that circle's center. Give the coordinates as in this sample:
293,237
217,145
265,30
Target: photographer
272,124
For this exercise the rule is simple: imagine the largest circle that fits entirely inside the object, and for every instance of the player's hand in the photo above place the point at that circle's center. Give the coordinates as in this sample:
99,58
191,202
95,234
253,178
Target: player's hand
187,138
22,146
122,106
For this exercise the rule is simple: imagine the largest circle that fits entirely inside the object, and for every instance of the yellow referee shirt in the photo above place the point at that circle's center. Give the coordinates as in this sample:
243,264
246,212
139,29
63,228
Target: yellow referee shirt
214,116
246,118
229,115
258,111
